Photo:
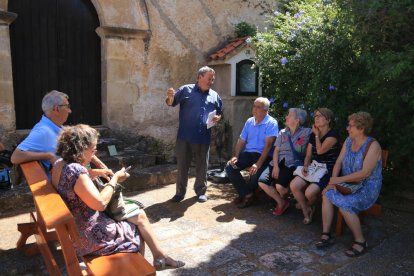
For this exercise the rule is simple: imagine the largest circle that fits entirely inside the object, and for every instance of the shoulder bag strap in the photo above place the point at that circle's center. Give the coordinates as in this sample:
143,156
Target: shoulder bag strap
367,148
295,153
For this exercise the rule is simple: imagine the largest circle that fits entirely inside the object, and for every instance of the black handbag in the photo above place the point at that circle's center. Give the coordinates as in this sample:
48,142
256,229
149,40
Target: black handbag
119,207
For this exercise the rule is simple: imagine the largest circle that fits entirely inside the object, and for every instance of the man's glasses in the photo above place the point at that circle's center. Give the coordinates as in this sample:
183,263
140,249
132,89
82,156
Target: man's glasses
67,105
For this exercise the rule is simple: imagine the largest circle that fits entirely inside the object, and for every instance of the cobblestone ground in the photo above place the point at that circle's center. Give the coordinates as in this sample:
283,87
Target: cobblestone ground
216,238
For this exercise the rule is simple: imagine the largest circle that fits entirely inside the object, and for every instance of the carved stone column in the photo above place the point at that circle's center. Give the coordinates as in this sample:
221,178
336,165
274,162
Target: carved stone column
7,111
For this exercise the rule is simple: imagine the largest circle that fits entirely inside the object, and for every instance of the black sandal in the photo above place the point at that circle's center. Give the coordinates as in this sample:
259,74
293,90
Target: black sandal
323,243
352,252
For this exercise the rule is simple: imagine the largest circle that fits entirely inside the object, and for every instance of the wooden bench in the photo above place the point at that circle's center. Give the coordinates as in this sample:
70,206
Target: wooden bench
54,221
374,210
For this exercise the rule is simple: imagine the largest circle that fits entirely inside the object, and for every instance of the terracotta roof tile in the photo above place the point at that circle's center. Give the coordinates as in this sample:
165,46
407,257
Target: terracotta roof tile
222,53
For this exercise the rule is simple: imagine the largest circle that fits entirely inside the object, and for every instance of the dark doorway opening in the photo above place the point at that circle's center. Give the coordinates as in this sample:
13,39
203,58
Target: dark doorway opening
54,46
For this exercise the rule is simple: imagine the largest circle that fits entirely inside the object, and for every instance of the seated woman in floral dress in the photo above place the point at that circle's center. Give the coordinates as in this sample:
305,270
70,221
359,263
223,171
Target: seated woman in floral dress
324,148
359,161
99,234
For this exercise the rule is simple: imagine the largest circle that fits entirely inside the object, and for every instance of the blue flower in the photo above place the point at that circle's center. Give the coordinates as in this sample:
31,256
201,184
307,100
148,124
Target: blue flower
335,22
285,105
331,87
311,114
284,61
279,33
272,100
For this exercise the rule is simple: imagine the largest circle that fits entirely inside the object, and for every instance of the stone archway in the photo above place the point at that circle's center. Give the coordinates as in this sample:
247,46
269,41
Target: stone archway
124,25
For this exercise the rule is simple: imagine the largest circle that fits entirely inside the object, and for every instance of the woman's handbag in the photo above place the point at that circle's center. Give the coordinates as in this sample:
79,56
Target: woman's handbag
353,187
316,171
349,188
120,208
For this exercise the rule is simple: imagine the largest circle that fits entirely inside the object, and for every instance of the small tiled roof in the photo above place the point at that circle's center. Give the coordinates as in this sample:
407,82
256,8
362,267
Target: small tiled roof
229,48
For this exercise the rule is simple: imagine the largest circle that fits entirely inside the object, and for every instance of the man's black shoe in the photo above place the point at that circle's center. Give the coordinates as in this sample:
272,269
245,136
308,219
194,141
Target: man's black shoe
176,198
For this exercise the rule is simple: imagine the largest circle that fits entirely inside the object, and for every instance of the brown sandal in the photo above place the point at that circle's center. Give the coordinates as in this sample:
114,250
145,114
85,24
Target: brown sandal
324,243
161,263
352,252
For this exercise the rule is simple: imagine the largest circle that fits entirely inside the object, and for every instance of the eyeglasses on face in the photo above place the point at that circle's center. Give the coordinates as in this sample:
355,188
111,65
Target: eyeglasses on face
67,105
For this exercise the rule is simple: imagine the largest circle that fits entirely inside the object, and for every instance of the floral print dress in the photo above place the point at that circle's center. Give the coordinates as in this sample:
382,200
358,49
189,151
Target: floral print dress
365,197
99,234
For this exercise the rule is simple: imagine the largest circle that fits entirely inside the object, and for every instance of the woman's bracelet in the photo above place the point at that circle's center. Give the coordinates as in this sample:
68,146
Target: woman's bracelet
112,186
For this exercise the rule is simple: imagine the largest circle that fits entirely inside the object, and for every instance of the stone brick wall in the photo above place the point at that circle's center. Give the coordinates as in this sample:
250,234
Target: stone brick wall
147,46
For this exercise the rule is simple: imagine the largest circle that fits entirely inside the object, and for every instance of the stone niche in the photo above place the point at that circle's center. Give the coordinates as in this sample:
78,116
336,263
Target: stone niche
237,109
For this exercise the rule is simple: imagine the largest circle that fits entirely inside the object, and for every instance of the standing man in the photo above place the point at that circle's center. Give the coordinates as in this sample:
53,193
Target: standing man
196,102
41,142
253,149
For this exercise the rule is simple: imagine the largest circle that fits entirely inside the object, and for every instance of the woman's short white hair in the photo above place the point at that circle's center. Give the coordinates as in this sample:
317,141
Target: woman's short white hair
264,101
52,99
299,114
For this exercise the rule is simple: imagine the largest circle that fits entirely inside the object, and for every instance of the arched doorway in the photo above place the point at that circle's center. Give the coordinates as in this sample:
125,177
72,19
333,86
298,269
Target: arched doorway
54,46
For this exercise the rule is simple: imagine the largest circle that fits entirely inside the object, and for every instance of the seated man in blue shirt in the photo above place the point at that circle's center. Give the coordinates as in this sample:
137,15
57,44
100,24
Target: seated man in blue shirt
41,142
196,102
253,149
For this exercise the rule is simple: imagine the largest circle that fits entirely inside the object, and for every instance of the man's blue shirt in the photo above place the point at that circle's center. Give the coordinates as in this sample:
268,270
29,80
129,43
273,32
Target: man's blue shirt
42,138
255,135
195,106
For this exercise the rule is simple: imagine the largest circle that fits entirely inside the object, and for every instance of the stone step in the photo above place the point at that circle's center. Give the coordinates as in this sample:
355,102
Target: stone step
16,199
151,177
136,159
19,198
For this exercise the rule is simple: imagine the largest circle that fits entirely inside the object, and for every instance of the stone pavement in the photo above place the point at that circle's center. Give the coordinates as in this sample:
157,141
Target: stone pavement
216,238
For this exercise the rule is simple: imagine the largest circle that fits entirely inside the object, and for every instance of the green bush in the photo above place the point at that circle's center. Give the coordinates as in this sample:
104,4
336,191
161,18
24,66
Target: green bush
349,56
243,29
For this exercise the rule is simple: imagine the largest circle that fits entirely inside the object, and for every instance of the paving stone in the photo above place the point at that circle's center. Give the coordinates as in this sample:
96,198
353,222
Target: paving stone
263,273
287,259
217,238
213,254
259,241
237,268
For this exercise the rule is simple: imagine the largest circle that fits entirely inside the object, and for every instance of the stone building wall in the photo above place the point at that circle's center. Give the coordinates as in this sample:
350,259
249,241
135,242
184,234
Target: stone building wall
147,46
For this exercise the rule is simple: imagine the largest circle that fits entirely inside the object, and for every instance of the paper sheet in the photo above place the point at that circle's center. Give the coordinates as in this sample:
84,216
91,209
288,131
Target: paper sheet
210,119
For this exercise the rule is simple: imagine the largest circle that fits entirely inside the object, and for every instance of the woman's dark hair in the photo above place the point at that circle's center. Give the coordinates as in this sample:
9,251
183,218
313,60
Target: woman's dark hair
327,113
74,140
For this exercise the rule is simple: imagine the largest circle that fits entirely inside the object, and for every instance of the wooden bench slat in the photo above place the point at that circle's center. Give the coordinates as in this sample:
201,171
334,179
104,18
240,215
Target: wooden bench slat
52,213
54,210
130,264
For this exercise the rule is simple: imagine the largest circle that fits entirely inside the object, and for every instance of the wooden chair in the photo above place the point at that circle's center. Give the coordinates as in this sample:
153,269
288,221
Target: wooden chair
54,221
374,210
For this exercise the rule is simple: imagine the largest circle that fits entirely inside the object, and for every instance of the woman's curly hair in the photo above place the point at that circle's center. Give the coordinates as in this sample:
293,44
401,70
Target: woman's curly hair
362,120
74,140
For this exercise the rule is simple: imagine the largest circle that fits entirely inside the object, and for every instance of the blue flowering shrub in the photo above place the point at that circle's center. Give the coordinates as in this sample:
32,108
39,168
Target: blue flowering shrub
349,56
